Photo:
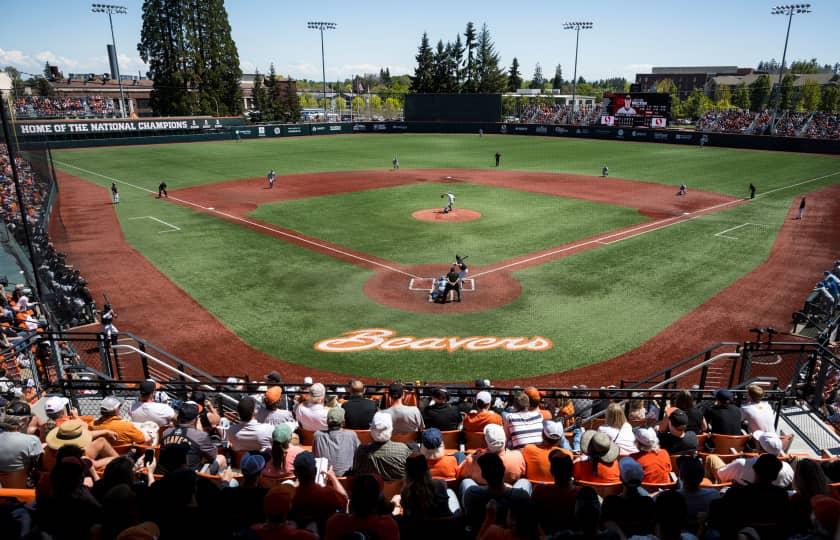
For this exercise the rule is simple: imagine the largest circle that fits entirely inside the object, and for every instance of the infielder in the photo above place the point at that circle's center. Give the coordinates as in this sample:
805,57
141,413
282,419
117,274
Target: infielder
451,204
272,176
115,195
605,172
395,164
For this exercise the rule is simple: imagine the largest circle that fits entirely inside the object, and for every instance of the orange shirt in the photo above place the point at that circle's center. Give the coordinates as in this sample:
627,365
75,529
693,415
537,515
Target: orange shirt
443,467
476,421
607,474
537,466
127,432
657,466
514,467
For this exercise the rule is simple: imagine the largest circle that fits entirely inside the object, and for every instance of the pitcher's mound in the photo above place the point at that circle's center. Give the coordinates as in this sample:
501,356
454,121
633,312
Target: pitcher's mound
436,214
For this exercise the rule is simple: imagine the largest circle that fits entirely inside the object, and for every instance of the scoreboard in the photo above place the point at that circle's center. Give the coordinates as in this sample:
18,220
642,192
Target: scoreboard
632,109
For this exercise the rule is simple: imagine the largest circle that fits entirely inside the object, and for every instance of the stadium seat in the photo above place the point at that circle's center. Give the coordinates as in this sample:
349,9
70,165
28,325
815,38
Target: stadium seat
392,487
474,440
451,440
24,496
701,441
306,437
603,490
724,444
653,487
727,458
14,479
363,435
405,437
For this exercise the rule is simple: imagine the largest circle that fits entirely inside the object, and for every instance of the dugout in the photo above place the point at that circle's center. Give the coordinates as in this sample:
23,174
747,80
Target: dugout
453,107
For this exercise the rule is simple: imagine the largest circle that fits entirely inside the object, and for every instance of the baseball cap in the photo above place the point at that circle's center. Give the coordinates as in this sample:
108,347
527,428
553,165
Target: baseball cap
382,422
147,387
494,436
440,393
252,464
553,430
335,416
631,471
19,408
317,390
55,404
273,395
282,433
188,411
646,437
307,380
769,442
432,438
678,418
110,404
273,376
723,395
484,397
533,394
305,460
395,390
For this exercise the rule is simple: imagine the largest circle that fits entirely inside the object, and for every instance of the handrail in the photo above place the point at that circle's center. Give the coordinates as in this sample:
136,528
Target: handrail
686,360
695,368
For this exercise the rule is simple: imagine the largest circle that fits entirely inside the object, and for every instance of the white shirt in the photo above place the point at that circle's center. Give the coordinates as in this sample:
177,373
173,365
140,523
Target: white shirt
623,438
626,110
276,417
451,198
150,411
759,417
311,416
741,471
250,435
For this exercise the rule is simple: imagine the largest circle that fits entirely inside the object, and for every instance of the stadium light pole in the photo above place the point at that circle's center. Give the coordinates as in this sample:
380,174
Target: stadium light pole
321,26
790,10
111,10
577,26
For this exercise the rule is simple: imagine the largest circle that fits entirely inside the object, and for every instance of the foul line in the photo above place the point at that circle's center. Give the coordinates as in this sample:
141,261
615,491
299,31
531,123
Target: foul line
249,222
730,229
173,227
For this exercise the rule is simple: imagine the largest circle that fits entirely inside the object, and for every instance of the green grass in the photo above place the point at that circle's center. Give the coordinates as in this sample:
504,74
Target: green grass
379,222
593,305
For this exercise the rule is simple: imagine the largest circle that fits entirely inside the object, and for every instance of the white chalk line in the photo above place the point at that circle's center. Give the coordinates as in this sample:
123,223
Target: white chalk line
251,223
649,227
172,229
468,284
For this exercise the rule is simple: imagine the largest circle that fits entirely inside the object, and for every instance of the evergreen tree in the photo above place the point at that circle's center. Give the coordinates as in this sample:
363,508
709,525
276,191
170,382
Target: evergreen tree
456,58
514,77
557,82
18,87
470,75
538,81
741,99
440,68
421,82
258,92
274,94
491,77
759,92
291,104
43,87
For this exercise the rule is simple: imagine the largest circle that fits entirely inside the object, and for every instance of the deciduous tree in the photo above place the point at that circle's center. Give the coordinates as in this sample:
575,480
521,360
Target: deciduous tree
811,97
759,92
741,99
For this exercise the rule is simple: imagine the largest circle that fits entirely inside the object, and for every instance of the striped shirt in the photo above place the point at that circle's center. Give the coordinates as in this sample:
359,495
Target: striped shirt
523,428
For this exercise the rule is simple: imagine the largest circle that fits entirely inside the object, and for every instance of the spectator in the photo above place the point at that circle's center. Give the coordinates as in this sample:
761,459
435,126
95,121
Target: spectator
671,513
537,465
146,409
809,481
277,504
694,416
535,402
655,462
440,413
523,426
588,519
633,510
311,414
521,522
242,499
282,459
677,439
248,434
75,432
826,512
383,456
68,510
271,412
599,462
481,415
619,430
127,432
366,514
723,417
18,451
314,503
758,414
475,497
742,470
208,416
358,410
698,499
336,445
555,503
407,419
202,453
424,497
514,463
431,447
582,405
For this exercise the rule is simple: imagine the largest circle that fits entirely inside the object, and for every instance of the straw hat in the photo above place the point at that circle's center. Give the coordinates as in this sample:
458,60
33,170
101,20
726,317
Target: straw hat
70,432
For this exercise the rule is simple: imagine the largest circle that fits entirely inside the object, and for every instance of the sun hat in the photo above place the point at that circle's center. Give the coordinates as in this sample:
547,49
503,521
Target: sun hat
70,432
597,444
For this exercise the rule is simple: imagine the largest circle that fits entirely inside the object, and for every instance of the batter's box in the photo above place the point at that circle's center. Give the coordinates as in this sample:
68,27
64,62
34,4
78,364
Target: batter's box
426,284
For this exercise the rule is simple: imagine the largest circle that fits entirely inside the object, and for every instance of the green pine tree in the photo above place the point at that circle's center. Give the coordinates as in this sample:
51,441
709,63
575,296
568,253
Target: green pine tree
491,76
422,81
470,74
557,82
258,93
514,76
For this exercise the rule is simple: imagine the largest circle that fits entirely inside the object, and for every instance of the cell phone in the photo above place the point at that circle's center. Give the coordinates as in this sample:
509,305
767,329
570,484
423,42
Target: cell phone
149,456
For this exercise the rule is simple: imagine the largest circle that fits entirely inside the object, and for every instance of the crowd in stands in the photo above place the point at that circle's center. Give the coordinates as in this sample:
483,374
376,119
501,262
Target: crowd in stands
817,125
488,465
41,106
790,123
556,114
729,121
823,126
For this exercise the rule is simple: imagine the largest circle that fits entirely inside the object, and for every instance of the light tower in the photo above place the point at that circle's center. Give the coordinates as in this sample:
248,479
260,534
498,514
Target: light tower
321,26
111,10
790,10
577,26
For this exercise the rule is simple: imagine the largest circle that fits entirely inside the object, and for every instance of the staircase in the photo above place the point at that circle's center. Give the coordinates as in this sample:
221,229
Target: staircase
812,434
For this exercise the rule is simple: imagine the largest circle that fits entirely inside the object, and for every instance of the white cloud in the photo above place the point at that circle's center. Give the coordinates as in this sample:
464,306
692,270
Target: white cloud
17,59
64,63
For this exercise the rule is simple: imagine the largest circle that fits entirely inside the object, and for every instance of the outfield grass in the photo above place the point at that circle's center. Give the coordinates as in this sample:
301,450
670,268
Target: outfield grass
593,305
379,222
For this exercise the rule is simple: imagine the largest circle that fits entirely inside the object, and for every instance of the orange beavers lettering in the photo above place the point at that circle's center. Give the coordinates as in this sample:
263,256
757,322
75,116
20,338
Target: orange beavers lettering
386,340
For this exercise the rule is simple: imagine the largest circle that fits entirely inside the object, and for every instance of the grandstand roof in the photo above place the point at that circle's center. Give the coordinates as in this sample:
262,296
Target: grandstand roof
735,80
695,69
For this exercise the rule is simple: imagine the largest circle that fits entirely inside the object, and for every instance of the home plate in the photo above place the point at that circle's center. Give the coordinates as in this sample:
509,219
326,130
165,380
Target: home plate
684,213
211,208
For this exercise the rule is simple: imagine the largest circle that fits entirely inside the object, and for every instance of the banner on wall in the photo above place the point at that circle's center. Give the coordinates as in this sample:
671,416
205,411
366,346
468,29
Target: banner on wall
607,120
92,127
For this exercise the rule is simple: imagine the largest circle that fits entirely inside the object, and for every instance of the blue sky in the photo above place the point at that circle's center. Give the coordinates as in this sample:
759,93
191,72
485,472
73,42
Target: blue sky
627,38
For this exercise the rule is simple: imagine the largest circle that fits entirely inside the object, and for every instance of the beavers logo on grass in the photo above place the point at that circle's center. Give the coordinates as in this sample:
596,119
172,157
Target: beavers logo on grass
386,340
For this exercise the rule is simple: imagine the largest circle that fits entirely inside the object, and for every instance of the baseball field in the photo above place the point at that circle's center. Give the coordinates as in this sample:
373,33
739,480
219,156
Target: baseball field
568,269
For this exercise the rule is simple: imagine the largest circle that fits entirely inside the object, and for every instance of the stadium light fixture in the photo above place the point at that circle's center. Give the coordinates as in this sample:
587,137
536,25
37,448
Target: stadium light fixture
790,10
321,26
577,26
113,10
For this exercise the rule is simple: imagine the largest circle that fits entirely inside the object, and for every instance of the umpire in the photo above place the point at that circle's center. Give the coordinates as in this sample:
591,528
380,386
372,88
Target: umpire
453,283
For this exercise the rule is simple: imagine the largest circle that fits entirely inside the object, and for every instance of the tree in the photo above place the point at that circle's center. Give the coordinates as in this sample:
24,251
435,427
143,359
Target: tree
830,98
741,99
392,105
786,92
491,77
805,66
723,96
470,75
442,70
18,87
272,109
759,92
456,58
357,104
557,82
697,104
667,86
308,101
539,80
421,82
258,92
810,95
514,77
